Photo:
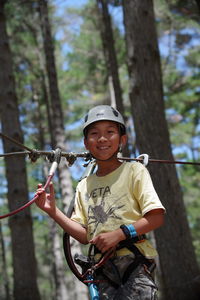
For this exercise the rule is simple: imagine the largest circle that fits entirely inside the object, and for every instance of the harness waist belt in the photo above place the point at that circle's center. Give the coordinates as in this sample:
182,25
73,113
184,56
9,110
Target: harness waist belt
123,244
134,240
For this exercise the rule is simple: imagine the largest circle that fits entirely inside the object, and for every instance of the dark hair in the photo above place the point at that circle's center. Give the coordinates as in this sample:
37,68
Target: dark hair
122,129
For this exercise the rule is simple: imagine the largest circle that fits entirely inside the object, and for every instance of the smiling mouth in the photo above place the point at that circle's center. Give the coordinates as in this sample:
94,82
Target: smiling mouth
103,148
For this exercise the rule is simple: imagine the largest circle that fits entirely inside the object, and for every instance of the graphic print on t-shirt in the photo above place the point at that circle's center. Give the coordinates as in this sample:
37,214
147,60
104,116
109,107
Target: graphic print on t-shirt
101,212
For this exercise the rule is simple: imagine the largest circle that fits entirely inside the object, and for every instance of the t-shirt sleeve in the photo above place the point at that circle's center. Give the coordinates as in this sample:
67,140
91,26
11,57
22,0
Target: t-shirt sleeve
145,193
79,215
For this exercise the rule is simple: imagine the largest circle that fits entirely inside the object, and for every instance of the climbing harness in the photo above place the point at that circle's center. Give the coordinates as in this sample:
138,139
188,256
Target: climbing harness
88,265
140,259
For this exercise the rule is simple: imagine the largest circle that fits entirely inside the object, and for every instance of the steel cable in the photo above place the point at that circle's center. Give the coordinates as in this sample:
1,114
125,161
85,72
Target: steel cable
70,157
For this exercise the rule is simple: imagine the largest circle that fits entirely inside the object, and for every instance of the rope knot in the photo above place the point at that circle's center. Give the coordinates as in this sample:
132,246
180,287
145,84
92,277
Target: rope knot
34,155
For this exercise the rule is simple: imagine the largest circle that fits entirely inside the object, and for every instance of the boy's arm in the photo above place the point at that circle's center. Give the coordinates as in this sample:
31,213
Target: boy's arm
46,202
151,220
73,228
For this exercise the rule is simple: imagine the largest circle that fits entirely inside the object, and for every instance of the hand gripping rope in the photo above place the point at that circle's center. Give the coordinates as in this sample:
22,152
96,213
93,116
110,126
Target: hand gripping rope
53,156
57,155
88,267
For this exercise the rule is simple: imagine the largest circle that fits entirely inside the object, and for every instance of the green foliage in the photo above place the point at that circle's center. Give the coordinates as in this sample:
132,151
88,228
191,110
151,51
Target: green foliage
86,68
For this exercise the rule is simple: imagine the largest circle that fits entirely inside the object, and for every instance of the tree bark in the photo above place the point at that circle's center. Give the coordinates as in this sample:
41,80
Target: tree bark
108,43
105,25
58,142
198,5
24,263
180,271
4,267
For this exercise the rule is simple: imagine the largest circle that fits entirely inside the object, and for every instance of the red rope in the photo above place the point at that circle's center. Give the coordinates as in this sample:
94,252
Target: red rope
30,202
101,262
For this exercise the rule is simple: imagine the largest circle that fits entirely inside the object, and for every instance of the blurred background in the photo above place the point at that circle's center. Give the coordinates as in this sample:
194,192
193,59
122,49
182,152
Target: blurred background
59,58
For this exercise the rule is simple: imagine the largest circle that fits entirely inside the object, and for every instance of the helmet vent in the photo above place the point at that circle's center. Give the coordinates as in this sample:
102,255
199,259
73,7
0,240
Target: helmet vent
115,112
86,118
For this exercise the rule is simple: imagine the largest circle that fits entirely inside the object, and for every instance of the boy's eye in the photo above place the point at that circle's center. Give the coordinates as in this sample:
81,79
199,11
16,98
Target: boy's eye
111,131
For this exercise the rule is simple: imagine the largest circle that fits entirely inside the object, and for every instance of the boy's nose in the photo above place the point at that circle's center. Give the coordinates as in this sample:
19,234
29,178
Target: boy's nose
102,138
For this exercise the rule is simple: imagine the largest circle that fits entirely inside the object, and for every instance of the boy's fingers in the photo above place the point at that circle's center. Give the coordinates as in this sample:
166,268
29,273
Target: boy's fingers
51,189
39,192
92,241
39,185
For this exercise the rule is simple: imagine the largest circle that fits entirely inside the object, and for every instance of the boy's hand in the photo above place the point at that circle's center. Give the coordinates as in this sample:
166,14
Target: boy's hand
46,201
108,240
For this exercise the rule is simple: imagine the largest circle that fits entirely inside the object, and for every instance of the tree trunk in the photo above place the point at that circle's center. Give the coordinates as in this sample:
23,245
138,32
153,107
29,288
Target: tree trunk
105,25
4,267
58,142
108,43
198,4
177,258
24,263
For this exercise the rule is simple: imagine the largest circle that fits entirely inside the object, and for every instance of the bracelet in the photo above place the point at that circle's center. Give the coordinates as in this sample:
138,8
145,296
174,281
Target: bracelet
129,231
125,231
132,230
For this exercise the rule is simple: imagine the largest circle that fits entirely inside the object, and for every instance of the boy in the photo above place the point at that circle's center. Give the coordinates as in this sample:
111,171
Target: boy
117,203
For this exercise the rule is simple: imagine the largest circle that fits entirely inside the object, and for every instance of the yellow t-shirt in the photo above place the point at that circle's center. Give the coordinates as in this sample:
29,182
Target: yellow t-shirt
123,196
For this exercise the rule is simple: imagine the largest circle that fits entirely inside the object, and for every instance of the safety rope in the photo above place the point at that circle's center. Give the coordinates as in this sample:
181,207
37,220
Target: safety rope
28,203
53,155
49,178
71,157
87,276
35,154
103,259
163,161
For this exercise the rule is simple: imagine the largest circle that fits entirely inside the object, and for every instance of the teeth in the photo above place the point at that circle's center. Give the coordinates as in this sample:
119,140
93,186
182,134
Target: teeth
103,148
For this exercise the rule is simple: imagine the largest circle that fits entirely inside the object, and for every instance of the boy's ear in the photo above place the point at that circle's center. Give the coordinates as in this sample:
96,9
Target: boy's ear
123,140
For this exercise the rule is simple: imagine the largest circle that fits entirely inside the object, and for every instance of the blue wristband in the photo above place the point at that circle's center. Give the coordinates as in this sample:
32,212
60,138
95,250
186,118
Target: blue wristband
132,230
129,231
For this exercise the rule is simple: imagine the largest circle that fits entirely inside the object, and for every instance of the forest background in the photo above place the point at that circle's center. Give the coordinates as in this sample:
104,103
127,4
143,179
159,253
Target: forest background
58,59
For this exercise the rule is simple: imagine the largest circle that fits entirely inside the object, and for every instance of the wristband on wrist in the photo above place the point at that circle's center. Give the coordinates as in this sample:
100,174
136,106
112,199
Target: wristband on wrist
129,231
125,231
132,230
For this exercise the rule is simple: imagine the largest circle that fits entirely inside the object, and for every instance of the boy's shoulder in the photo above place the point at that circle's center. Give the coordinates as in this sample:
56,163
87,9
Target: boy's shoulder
128,172
134,166
126,167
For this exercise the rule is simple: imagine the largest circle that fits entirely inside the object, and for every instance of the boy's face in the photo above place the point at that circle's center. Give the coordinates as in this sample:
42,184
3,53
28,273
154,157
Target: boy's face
103,139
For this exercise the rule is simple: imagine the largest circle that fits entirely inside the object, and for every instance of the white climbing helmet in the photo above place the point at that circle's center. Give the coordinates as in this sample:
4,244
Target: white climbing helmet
103,113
